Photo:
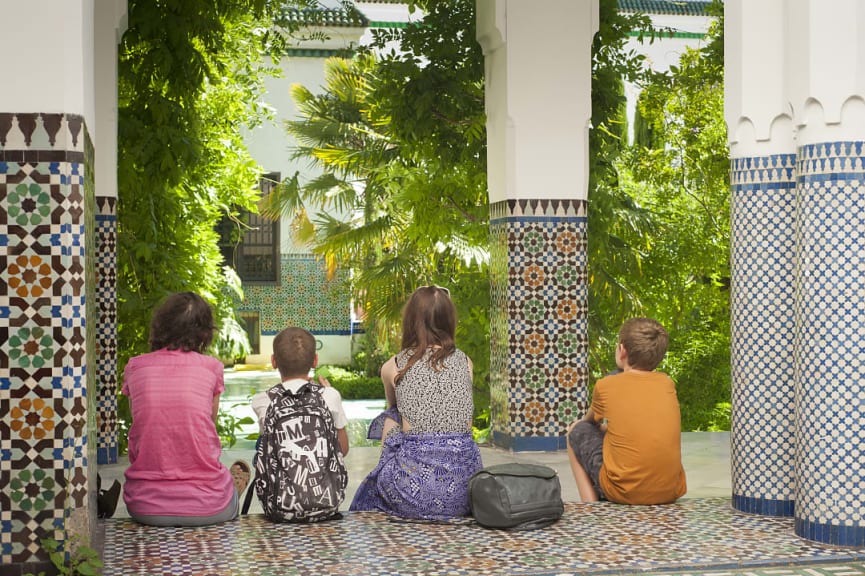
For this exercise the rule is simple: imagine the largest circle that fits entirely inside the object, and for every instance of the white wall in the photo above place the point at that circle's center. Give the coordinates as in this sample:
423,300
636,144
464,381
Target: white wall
269,143
377,12
52,41
110,21
537,151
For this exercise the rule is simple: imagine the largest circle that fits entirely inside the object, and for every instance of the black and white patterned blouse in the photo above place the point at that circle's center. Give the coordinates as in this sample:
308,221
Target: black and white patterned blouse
436,401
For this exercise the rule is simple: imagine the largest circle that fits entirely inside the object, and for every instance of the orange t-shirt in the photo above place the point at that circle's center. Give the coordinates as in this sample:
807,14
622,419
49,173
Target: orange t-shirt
643,443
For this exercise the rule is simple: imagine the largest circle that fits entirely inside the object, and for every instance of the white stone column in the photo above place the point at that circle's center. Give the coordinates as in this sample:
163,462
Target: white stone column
763,255
538,104
826,60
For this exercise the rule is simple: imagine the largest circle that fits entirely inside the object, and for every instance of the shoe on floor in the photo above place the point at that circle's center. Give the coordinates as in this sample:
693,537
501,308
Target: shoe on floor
106,500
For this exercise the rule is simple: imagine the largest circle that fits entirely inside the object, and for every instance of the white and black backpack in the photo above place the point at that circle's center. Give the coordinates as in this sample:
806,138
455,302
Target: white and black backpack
300,475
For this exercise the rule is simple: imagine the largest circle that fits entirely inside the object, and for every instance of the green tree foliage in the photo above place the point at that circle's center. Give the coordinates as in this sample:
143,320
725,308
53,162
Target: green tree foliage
400,198
678,174
431,91
400,145
190,77
617,226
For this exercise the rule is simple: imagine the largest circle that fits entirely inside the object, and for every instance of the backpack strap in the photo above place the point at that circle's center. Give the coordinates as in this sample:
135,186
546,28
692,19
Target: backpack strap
275,391
278,390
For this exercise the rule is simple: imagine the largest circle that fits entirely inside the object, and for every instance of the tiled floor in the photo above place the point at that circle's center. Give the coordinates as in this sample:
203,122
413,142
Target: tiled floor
695,536
699,535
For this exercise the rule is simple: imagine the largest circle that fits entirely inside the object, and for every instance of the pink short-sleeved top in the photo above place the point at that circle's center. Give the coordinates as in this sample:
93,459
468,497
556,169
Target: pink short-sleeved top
174,467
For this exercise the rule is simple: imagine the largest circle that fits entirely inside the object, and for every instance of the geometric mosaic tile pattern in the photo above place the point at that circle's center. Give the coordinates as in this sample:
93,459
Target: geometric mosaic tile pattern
538,321
830,348
763,257
43,388
106,329
693,536
304,297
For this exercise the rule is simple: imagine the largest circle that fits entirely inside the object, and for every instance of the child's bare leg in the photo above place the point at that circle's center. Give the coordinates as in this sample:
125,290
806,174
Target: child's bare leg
584,483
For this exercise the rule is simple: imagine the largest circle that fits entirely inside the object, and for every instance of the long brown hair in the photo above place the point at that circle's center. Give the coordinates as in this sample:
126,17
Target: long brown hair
428,319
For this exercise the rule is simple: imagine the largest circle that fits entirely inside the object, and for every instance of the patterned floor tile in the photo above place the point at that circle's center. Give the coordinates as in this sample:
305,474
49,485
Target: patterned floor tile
700,536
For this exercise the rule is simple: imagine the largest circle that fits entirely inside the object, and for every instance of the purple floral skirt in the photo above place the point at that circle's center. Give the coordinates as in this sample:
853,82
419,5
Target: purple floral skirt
421,476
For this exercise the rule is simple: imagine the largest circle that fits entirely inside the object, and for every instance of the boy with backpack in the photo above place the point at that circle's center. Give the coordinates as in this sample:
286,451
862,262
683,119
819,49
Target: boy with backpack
300,472
627,447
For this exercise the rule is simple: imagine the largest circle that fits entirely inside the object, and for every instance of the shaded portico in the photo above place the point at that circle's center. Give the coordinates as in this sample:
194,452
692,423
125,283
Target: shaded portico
796,113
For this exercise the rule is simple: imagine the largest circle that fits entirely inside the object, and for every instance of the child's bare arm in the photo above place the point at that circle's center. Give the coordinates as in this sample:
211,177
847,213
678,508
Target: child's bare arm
388,375
342,440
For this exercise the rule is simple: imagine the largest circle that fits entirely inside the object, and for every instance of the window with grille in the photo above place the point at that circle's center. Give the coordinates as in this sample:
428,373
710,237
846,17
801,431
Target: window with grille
252,248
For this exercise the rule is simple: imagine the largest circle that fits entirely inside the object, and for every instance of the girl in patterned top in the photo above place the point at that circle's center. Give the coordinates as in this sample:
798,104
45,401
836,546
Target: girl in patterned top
428,453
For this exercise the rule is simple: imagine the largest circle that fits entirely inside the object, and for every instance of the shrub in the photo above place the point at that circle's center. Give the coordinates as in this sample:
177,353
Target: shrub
352,385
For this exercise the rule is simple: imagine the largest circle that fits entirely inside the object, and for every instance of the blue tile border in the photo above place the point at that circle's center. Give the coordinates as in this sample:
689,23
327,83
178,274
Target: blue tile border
529,443
764,186
106,455
853,536
579,219
830,177
763,506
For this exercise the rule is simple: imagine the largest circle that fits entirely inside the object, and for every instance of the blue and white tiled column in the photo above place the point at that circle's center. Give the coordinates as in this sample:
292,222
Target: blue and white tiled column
794,85
763,256
830,343
762,259
538,365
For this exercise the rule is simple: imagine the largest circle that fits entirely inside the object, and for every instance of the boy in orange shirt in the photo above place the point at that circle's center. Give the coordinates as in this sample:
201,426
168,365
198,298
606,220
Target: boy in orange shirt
627,448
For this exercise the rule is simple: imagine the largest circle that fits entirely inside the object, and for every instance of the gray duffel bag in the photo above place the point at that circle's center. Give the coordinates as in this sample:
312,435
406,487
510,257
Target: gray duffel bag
516,496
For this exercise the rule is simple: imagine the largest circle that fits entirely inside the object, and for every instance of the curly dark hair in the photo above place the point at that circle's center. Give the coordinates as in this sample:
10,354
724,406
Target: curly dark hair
184,321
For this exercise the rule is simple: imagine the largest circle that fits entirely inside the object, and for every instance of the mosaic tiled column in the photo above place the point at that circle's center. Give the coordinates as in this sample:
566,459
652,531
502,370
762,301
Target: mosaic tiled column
538,372
830,343
106,329
763,254
46,192
538,116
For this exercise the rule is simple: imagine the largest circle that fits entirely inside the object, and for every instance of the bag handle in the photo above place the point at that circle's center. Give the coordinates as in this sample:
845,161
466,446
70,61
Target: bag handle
519,469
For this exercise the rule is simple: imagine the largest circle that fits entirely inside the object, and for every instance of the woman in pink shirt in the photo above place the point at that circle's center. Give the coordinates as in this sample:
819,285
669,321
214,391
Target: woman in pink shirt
175,477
